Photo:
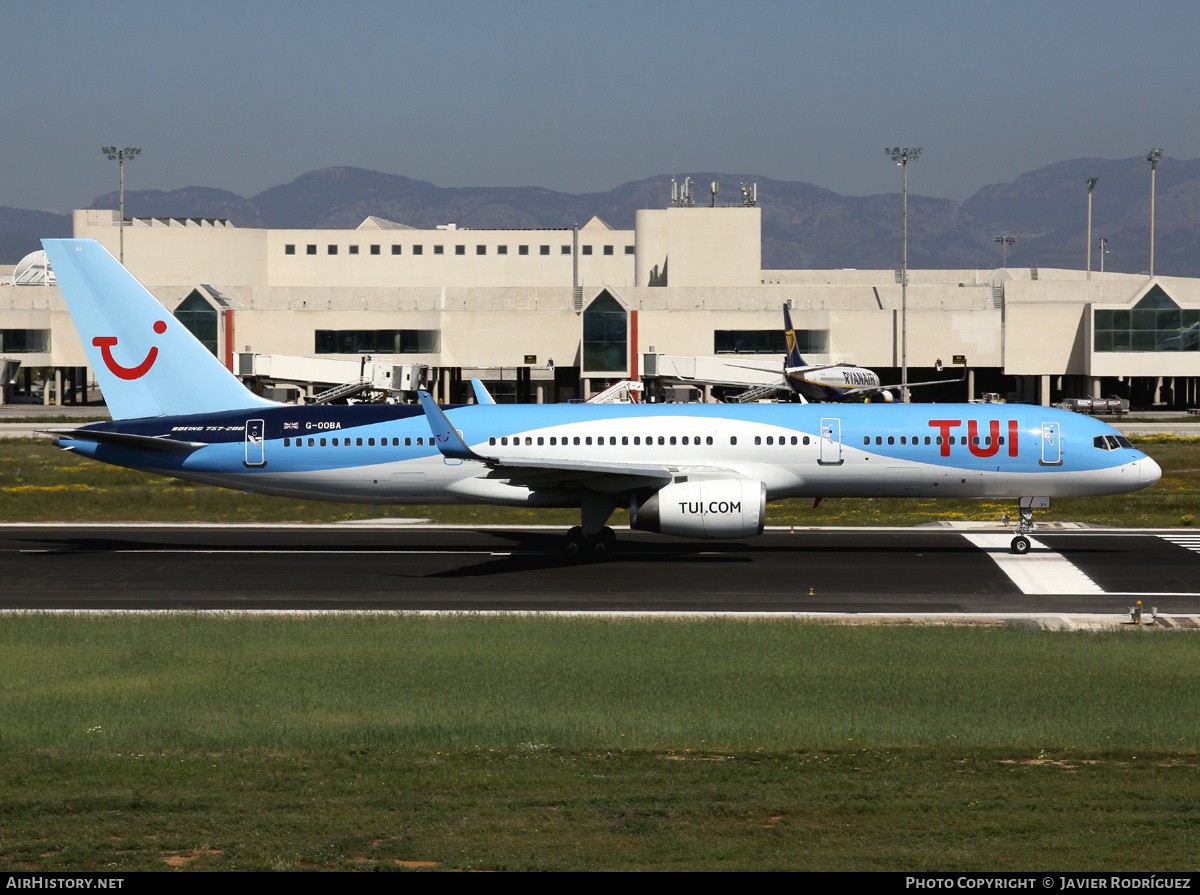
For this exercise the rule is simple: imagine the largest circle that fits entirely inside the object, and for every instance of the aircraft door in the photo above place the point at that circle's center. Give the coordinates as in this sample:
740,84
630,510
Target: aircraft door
255,444
831,442
408,487
1051,445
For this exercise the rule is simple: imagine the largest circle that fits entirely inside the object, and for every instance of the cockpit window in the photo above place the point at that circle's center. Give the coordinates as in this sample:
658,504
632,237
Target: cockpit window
1111,442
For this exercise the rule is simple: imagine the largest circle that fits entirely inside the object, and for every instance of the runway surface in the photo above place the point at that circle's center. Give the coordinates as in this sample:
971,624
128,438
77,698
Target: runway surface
864,571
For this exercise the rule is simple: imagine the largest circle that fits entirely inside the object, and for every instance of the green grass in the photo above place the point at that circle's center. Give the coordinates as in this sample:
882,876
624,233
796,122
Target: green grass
40,483
191,682
540,743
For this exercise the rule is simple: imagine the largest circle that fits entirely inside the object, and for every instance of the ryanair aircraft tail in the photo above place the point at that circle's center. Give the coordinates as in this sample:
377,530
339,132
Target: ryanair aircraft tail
146,361
793,358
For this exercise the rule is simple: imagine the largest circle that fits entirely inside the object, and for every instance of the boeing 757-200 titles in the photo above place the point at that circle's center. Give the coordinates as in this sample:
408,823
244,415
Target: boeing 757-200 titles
692,470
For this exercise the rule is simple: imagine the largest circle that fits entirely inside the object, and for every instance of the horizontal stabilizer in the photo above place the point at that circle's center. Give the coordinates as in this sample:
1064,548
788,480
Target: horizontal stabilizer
162,444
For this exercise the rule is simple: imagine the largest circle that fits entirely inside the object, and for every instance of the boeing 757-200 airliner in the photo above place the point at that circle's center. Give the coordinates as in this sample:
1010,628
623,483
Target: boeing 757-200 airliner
692,470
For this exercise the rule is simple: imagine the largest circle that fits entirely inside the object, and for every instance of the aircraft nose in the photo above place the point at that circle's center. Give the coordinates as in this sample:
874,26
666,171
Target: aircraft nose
1149,472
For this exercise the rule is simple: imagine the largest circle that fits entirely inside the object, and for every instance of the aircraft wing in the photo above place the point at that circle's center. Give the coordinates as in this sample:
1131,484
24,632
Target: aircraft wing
810,368
867,389
539,470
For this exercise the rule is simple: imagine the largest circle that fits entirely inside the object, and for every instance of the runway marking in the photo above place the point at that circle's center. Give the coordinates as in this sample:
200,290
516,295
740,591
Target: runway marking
1188,542
1040,571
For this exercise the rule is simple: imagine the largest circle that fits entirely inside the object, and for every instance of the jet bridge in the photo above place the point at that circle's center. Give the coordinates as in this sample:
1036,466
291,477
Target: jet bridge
758,376
321,380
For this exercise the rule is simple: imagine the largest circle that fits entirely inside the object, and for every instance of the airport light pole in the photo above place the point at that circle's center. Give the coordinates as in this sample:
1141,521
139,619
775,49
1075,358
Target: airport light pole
120,156
1004,241
902,156
1153,157
1091,185
1103,251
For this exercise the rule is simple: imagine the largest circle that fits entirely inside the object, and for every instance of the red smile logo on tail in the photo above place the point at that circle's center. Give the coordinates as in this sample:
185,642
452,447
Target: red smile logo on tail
105,343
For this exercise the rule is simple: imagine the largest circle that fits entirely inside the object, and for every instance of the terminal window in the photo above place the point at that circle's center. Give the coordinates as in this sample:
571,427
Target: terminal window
522,250
587,250
460,250
1155,323
199,318
353,250
768,341
378,341
439,250
501,250
545,250
605,335
289,249
374,250
608,250
628,250
24,341
333,250
310,250
418,250
480,250
396,250
566,250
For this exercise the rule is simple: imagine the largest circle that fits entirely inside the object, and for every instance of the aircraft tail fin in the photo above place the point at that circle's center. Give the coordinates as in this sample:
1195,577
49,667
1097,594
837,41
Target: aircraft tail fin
146,361
793,350
482,395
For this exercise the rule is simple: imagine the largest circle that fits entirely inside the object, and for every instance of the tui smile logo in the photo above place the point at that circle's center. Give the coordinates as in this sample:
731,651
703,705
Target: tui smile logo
105,343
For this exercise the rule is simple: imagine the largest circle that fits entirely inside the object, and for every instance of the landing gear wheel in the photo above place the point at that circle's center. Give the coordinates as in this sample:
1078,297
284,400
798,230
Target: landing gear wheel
603,543
575,543
1020,545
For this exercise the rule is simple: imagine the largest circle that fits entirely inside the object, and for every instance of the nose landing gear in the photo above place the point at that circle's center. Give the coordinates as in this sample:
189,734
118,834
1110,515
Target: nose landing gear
1020,544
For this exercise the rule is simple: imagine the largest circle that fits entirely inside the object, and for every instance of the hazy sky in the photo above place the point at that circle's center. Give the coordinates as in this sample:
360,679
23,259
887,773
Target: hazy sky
582,97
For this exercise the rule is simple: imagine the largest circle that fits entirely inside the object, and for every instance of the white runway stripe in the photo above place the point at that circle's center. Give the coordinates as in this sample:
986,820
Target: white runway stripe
1040,571
1191,542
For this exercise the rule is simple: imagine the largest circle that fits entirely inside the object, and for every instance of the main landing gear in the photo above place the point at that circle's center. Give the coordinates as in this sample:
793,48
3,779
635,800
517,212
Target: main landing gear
1021,543
593,538
599,545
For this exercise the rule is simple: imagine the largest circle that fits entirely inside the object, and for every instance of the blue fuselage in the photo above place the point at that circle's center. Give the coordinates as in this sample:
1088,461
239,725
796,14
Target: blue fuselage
387,454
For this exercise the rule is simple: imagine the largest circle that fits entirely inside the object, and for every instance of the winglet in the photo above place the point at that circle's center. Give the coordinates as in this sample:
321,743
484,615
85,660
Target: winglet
481,393
448,441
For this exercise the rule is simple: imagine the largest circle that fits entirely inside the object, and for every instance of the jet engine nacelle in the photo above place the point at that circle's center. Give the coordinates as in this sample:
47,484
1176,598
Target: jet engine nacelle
703,508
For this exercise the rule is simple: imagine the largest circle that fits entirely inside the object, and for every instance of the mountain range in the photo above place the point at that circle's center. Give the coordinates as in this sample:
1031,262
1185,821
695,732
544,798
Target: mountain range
804,226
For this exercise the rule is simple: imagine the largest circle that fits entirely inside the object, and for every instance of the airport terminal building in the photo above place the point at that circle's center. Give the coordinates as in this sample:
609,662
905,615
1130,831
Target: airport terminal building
555,314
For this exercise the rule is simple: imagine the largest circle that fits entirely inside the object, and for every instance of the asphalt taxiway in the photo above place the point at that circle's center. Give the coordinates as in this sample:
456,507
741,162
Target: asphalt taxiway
873,572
